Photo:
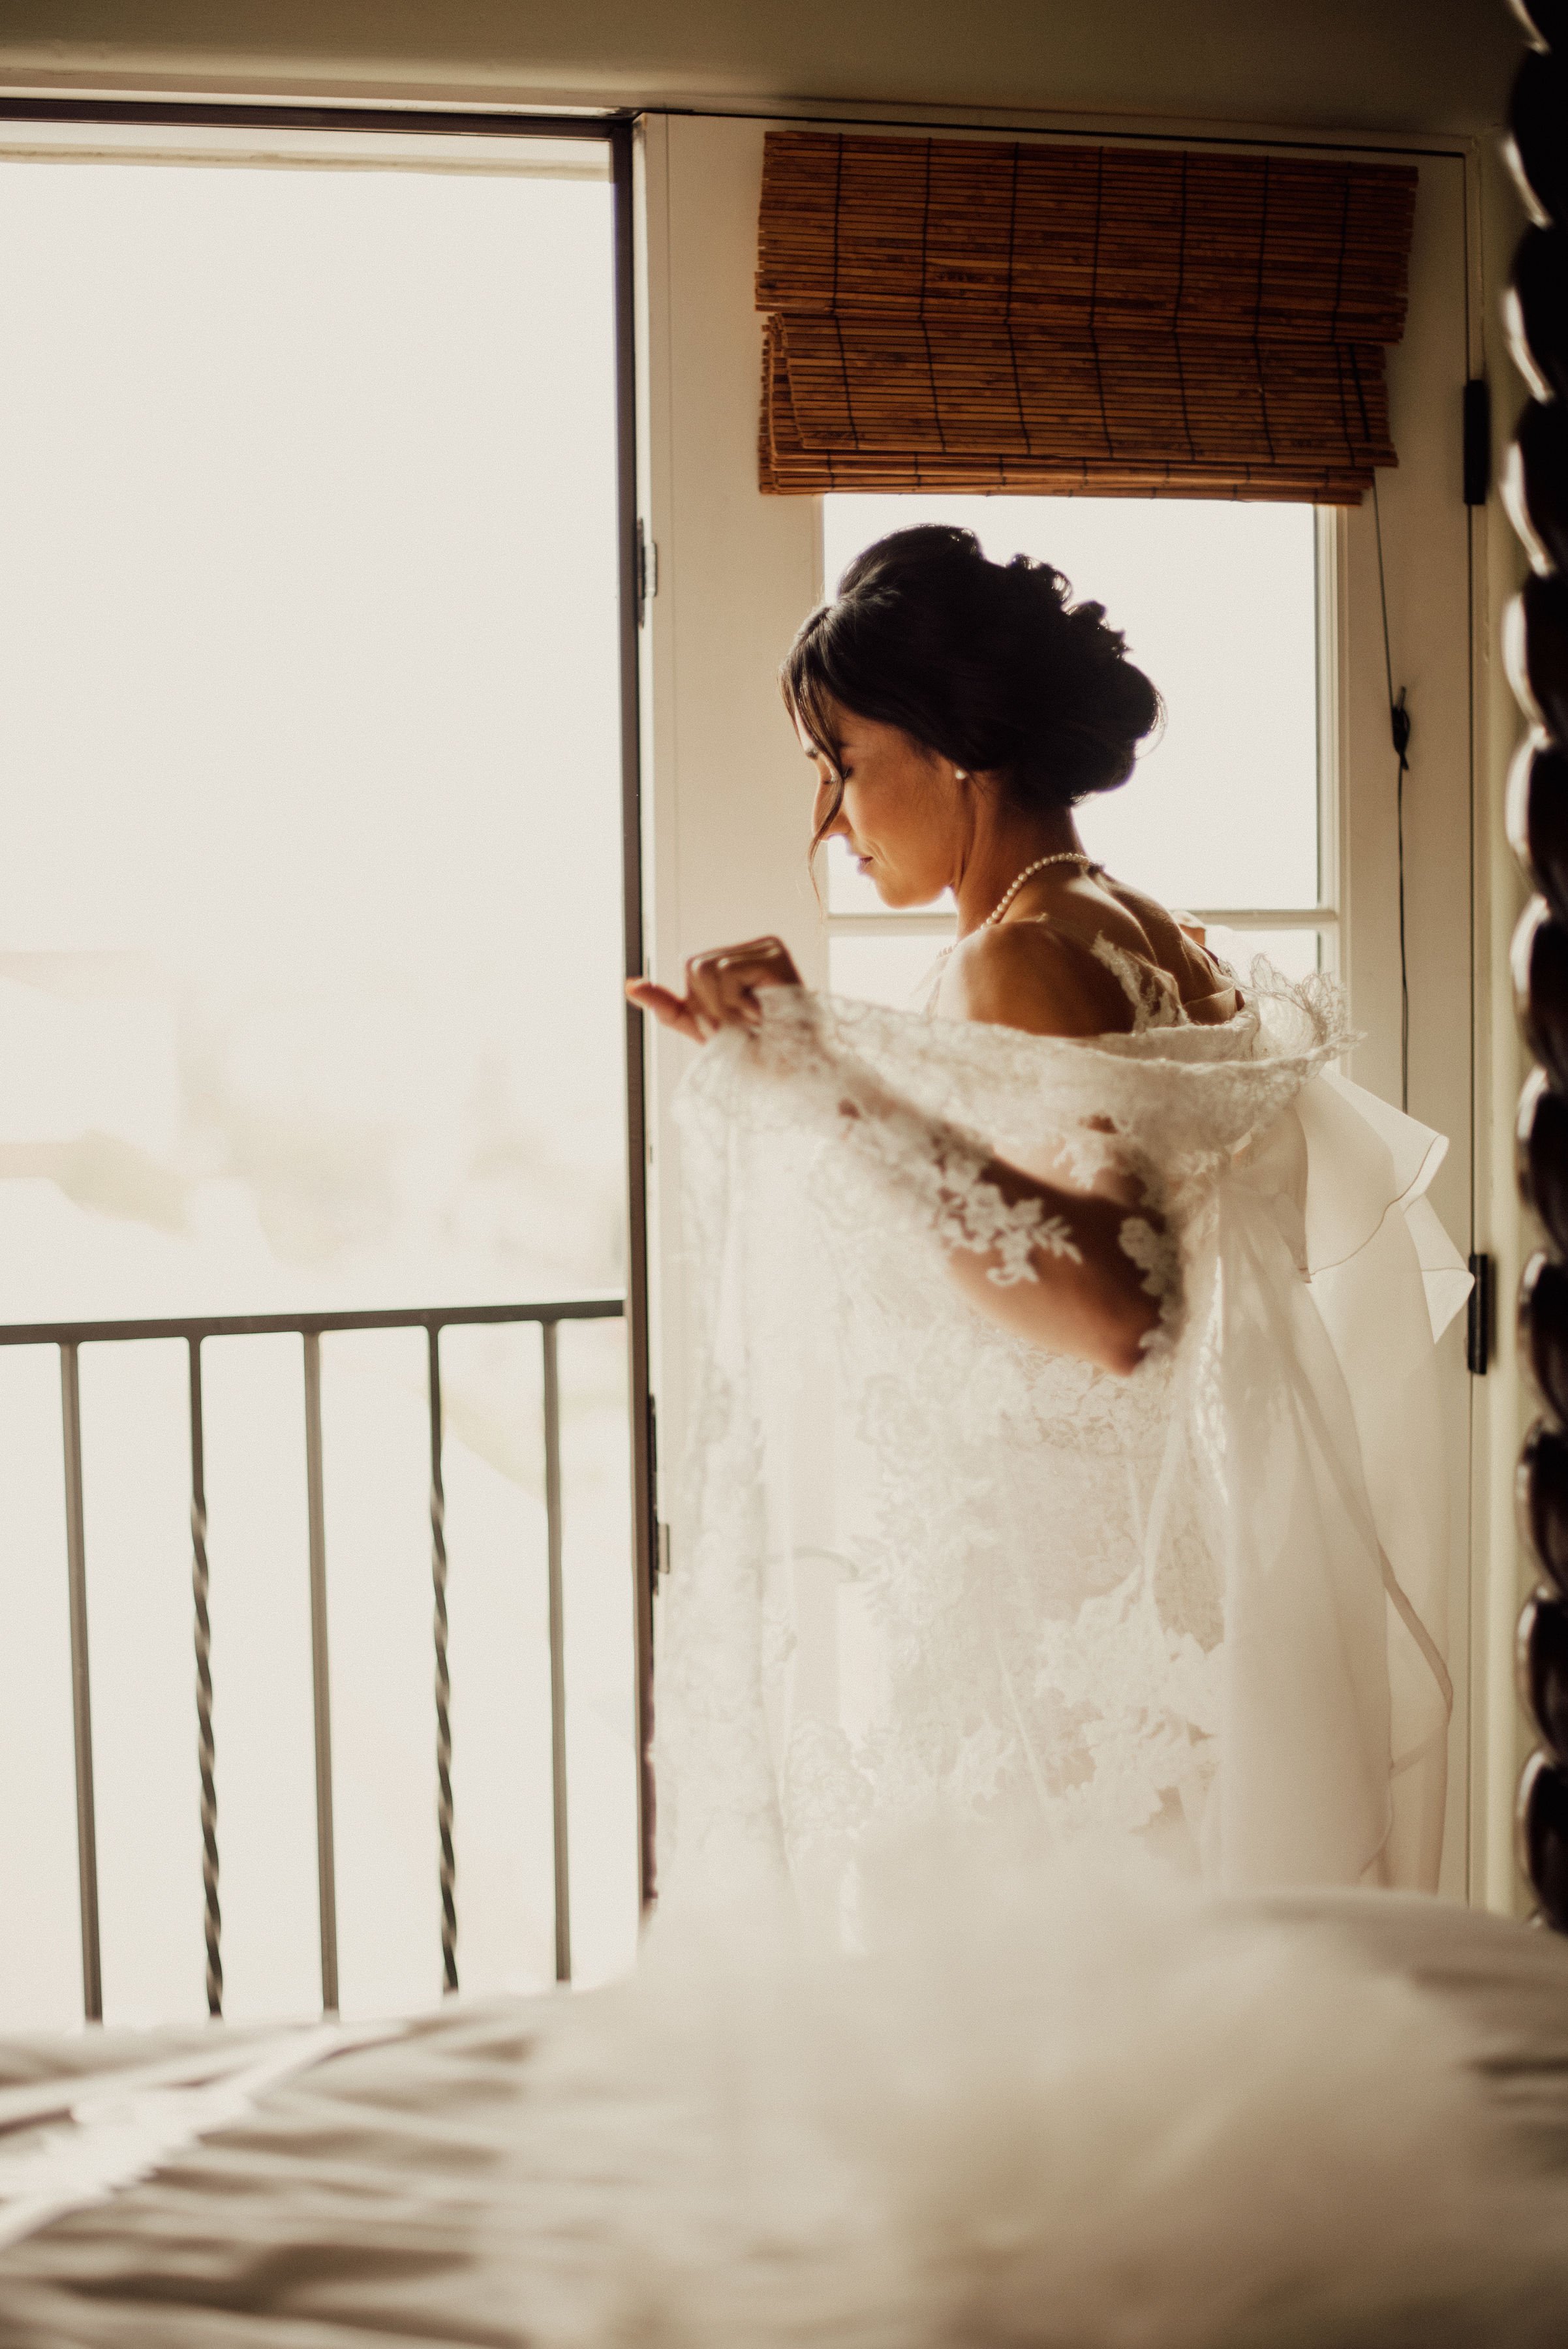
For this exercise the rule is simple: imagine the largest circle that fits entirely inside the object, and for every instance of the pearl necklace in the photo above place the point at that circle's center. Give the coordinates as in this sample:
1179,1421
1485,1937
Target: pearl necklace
1061,856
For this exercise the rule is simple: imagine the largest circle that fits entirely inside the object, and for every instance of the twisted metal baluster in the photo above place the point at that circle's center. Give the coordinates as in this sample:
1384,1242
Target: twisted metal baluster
212,1914
443,1678
320,1675
1536,640
548,1334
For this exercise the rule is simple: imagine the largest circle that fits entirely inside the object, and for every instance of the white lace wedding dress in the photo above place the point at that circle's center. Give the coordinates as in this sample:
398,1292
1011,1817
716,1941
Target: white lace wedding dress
923,1565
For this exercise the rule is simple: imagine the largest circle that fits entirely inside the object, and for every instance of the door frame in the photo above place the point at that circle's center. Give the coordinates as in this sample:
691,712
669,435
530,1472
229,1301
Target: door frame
726,797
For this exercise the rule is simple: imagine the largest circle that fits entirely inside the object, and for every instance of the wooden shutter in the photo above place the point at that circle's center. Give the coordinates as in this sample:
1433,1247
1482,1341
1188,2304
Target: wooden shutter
962,314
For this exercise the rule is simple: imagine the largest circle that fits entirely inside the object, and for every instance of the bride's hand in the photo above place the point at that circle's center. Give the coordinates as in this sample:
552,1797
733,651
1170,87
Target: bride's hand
720,988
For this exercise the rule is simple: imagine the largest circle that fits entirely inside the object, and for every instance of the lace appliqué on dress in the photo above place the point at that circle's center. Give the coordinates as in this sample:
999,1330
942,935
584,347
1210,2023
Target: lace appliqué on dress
934,1173
1151,992
943,1172
1158,1255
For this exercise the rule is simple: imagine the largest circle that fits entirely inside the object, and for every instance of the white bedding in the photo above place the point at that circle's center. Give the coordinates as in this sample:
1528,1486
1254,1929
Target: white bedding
376,2196
350,2206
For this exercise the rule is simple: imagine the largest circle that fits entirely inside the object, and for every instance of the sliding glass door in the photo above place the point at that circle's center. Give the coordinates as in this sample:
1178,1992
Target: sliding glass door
312,936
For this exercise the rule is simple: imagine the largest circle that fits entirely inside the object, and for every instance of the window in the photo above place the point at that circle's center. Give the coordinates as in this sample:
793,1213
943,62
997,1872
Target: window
311,951
1223,815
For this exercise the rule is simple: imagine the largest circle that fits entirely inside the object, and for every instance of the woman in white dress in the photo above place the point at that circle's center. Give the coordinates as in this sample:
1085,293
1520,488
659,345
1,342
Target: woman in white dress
1067,1433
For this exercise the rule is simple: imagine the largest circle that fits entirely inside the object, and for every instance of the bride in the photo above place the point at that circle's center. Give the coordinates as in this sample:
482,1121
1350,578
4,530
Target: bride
1066,1441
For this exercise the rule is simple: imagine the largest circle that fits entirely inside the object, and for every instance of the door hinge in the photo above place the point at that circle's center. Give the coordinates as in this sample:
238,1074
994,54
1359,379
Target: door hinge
647,572
1479,1321
1477,444
659,1562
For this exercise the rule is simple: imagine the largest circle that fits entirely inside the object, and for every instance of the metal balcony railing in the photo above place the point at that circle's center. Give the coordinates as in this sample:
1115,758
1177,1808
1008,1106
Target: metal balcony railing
310,1328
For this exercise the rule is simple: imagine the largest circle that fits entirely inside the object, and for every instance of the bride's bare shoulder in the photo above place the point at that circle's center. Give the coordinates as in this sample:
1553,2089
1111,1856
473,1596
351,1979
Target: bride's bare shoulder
1030,975
1169,940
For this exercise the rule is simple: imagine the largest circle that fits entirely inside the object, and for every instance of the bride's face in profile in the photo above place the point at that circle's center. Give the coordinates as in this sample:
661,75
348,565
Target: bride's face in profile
902,811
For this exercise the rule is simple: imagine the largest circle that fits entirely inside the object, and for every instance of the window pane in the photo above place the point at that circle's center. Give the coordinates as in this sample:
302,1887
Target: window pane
1294,953
310,999
896,970
310,911
1217,602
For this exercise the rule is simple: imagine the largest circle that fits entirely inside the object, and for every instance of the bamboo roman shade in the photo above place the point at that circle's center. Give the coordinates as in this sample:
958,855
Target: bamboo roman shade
948,313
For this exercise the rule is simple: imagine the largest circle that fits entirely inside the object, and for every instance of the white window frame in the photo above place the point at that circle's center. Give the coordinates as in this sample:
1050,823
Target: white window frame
726,797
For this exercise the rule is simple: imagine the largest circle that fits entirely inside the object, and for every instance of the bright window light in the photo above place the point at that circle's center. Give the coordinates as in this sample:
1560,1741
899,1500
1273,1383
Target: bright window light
310,999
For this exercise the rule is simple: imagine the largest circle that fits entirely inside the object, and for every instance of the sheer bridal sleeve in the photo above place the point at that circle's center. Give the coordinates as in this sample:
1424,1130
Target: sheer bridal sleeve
946,1176
944,1180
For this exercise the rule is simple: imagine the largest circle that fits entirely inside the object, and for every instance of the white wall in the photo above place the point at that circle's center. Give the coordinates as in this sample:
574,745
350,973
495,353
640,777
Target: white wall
727,791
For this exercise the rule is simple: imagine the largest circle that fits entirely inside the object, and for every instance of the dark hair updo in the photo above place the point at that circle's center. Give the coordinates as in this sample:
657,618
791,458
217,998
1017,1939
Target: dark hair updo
992,664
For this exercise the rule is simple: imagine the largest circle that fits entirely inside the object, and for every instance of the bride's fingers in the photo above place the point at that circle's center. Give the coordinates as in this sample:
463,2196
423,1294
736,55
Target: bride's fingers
722,983
648,996
703,990
729,995
735,977
720,988
672,1010
766,962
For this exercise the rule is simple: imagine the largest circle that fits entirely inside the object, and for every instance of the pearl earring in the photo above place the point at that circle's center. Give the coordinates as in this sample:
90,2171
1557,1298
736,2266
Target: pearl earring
960,774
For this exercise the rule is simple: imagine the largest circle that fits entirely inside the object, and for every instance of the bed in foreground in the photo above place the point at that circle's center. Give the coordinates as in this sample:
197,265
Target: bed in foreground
624,2168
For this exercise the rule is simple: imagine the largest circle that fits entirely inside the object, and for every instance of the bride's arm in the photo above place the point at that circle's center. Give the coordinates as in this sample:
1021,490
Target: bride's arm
1025,976
1064,1267
1067,1271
